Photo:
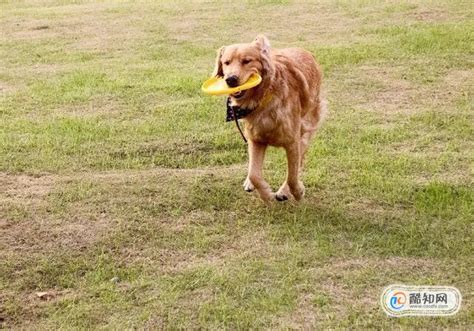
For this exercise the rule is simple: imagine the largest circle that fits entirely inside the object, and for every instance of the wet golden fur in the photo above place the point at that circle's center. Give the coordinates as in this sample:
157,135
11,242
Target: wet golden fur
288,107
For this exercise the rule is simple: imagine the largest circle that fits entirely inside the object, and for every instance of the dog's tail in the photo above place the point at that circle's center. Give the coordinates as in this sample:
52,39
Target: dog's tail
323,111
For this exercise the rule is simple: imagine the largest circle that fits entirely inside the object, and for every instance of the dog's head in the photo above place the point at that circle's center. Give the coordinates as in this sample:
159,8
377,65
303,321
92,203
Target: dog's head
236,63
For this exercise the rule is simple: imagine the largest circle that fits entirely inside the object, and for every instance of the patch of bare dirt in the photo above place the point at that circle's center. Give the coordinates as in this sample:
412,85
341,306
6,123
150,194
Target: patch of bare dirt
430,15
99,106
388,92
341,275
339,283
461,81
173,260
25,189
383,89
6,89
30,304
29,29
29,223
36,229
40,235
92,26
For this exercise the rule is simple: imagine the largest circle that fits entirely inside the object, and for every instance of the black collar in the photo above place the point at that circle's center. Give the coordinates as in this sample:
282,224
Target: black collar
236,111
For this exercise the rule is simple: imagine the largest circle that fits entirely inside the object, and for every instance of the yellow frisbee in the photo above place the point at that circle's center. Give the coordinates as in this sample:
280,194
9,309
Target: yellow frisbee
218,86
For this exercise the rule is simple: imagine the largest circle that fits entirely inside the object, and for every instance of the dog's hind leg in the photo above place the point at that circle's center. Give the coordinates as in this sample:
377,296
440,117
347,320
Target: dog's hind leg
297,151
310,127
292,183
304,143
256,156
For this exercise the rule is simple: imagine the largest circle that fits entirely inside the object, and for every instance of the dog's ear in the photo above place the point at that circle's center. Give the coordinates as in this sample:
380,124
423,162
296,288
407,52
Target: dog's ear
263,43
265,58
218,68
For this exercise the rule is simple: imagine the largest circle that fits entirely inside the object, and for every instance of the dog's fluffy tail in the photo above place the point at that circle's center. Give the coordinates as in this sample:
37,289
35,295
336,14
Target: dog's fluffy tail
323,112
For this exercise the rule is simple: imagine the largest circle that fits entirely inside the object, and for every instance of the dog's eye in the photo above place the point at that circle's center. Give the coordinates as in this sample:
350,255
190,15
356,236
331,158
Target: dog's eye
226,63
246,61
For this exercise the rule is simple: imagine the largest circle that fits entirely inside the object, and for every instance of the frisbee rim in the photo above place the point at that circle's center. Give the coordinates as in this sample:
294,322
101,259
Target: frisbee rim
253,81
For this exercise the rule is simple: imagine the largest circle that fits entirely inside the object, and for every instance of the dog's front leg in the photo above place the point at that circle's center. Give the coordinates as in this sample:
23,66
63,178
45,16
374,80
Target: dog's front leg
256,156
292,183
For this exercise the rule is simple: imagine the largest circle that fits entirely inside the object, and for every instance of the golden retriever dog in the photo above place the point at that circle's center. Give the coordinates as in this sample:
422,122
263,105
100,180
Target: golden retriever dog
284,110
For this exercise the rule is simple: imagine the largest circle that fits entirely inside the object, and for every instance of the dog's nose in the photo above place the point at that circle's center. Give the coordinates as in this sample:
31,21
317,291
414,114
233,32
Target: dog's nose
232,81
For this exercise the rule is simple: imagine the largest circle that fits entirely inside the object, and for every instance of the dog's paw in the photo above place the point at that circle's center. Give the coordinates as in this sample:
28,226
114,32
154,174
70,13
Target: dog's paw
298,191
281,197
283,193
268,199
248,186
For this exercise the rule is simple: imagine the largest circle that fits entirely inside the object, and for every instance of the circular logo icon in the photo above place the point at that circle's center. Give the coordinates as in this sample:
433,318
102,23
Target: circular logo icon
398,300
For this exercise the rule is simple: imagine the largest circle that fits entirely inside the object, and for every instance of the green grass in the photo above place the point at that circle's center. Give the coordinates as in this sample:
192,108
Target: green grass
114,164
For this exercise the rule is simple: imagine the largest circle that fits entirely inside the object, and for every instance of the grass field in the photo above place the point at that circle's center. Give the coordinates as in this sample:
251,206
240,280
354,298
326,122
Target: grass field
114,164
